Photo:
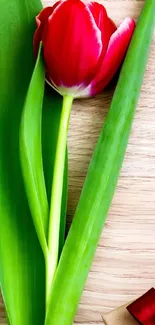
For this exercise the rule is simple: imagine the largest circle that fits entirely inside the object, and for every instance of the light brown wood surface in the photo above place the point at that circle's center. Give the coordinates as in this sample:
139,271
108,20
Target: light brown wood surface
124,264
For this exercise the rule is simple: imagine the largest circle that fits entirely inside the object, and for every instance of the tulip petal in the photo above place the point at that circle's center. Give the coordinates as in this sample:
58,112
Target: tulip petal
74,59
41,21
43,15
117,48
104,23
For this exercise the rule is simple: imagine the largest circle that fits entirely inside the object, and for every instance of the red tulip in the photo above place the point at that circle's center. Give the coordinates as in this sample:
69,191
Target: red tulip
82,47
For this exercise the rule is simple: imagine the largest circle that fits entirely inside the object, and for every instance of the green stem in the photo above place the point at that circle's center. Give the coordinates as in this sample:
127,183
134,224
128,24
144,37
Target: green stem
56,194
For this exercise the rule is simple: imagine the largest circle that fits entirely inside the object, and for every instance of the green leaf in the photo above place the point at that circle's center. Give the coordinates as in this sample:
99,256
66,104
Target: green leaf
101,179
22,274
21,259
31,153
22,269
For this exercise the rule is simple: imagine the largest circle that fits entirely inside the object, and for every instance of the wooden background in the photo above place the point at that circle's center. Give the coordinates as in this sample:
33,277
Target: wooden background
124,265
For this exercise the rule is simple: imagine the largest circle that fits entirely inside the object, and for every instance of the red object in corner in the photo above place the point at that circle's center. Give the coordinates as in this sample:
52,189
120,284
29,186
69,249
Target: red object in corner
143,309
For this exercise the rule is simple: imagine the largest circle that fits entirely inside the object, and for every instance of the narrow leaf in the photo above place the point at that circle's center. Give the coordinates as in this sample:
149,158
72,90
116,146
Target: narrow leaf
31,152
101,179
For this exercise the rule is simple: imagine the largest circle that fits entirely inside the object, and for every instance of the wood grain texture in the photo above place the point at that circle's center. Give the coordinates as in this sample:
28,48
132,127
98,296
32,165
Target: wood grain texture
124,264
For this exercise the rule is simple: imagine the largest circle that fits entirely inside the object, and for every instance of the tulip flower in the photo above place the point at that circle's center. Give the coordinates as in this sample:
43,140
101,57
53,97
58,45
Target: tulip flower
82,50
82,47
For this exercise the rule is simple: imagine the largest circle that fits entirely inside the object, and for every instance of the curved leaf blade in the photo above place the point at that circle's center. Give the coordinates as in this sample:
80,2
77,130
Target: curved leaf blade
31,152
